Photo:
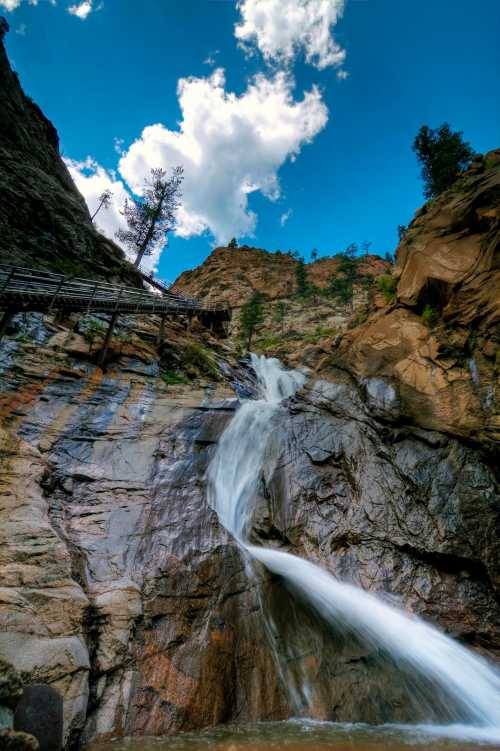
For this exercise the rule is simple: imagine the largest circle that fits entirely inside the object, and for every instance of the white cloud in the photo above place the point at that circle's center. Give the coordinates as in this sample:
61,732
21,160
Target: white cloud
92,180
285,217
13,4
81,10
230,146
281,29
342,75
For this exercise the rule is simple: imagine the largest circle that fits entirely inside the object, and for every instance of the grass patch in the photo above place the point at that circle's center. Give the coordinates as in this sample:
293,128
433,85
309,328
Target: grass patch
268,342
173,379
387,285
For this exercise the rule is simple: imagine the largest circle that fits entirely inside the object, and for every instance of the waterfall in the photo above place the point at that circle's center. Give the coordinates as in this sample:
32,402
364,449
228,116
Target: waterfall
233,475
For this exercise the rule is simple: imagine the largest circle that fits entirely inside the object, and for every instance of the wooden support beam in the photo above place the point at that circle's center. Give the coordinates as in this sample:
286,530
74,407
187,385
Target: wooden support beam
6,319
107,339
161,331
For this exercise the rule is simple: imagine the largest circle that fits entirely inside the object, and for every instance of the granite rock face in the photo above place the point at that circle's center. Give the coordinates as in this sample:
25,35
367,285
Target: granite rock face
121,589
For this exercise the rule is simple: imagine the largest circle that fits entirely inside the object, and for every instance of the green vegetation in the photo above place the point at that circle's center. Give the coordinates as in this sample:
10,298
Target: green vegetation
196,359
443,155
279,313
251,317
22,338
173,379
94,330
430,317
347,275
269,342
491,162
301,277
233,243
387,284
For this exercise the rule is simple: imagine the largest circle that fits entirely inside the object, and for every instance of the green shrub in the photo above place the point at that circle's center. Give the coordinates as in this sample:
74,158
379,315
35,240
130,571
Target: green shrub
387,285
173,379
94,330
430,317
194,357
269,342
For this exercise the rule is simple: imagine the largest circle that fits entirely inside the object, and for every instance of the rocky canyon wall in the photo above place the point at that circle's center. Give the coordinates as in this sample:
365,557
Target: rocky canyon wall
119,587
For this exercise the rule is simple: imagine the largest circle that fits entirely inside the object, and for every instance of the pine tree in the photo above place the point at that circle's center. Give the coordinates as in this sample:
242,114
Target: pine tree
301,277
152,217
251,317
233,244
443,155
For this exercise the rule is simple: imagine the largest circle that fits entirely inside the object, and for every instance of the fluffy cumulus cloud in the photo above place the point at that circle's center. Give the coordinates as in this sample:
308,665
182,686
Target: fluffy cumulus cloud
229,146
281,29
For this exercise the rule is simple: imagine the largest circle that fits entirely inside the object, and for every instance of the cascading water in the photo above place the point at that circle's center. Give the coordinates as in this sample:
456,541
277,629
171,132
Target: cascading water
468,680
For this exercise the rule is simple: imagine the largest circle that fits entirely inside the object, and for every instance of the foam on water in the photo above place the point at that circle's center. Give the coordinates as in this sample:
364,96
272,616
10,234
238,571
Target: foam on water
470,682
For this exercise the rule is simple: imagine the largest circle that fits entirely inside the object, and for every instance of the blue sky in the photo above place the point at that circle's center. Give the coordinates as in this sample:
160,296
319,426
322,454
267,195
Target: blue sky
115,72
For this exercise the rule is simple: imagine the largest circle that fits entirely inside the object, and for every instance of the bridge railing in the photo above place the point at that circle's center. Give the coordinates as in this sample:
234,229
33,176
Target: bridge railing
49,289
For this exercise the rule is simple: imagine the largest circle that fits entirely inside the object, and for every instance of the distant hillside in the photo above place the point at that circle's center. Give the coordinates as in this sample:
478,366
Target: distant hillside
292,322
234,274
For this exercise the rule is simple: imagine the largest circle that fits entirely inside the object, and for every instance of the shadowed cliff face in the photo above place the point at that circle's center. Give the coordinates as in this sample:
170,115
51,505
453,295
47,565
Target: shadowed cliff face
121,589
44,221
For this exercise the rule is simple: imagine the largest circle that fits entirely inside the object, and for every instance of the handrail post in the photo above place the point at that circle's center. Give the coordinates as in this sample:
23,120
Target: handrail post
89,306
55,294
12,273
109,332
4,322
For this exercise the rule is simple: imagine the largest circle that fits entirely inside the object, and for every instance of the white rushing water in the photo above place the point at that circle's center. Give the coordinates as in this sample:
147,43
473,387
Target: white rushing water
468,680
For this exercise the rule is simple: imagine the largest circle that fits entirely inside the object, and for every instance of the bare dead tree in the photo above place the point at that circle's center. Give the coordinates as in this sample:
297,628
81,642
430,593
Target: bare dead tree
104,202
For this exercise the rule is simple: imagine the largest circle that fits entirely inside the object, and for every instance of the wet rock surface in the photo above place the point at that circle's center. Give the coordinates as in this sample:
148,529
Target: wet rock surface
121,590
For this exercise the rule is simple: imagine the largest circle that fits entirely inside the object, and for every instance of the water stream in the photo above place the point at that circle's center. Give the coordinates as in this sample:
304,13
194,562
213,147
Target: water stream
469,683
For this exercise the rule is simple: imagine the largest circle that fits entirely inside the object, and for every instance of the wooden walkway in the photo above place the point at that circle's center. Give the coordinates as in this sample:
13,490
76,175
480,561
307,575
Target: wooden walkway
23,289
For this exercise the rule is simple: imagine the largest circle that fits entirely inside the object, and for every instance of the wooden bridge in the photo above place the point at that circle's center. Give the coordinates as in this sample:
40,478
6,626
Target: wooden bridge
23,289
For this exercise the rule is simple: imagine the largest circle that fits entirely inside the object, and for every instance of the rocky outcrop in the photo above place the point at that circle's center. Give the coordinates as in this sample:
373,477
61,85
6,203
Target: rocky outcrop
438,343
235,274
119,588
44,221
292,322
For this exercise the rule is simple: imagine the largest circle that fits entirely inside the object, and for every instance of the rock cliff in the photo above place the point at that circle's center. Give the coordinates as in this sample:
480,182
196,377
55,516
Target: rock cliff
438,342
121,589
44,221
